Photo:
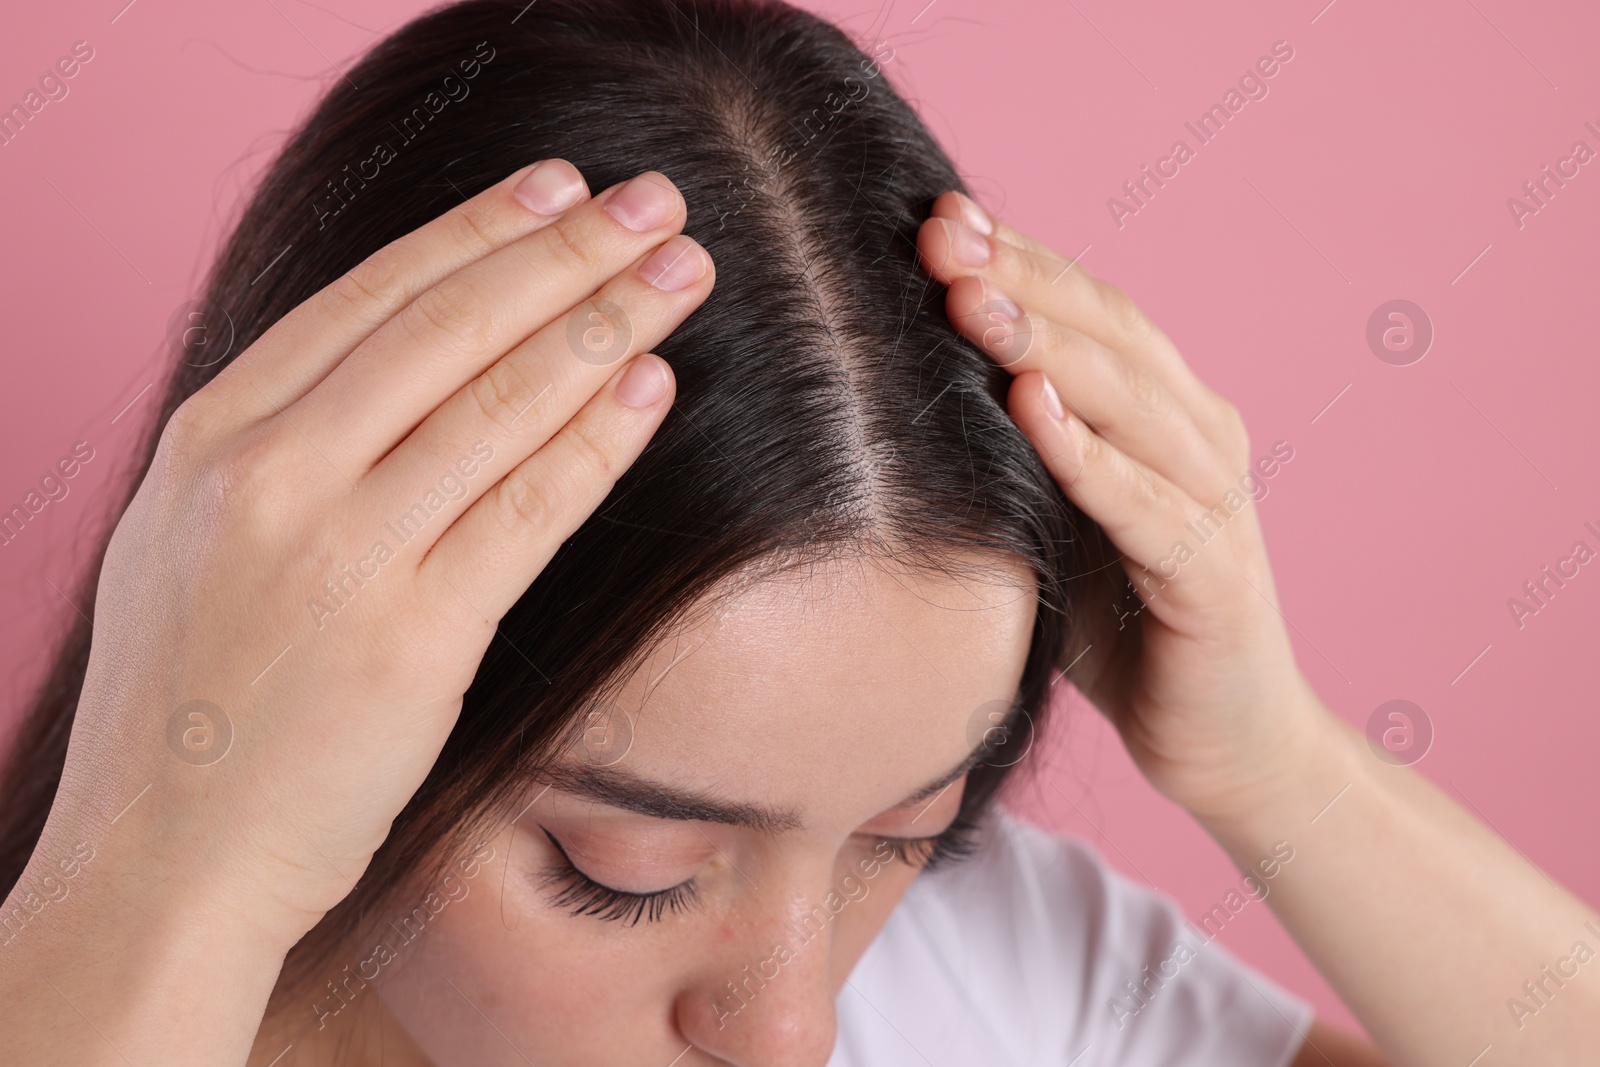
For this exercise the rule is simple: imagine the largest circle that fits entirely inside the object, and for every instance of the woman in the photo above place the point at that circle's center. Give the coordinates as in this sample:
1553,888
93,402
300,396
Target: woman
568,630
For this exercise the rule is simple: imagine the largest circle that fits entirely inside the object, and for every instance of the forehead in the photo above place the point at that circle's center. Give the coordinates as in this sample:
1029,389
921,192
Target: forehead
835,690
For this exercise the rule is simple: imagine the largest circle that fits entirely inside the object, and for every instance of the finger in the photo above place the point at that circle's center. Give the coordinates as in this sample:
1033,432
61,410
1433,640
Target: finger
951,249
493,553
1057,288
463,323
1145,515
300,349
518,403
957,207
1119,398
963,239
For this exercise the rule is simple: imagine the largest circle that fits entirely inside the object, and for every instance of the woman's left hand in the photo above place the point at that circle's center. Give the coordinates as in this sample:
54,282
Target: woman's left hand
1164,465
1218,716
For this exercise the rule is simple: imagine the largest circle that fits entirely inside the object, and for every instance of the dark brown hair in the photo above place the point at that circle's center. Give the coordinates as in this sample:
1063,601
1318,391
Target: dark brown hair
825,404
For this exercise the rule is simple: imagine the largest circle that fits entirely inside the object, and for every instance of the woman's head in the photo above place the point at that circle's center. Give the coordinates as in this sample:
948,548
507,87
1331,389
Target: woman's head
837,562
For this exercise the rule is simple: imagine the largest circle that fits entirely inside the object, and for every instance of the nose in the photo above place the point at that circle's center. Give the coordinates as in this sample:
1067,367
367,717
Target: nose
768,1000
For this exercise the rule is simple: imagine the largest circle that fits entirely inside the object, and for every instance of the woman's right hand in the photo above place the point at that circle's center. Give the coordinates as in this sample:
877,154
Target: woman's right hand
332,529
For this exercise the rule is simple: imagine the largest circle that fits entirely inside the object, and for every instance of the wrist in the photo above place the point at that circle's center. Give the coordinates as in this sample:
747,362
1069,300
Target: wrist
136,945
165,854
1316,758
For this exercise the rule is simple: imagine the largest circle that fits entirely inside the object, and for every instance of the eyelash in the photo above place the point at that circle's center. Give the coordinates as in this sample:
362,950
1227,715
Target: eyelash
958,842
582,895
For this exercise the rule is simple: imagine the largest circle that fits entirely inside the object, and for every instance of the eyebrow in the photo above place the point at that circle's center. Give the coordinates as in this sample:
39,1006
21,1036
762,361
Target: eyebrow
629,792
944,781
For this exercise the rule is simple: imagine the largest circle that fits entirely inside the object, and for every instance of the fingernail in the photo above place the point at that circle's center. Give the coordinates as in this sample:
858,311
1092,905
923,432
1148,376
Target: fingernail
969,247
677,264
550,187
973,215
1052,402
643,383
643,204
998,303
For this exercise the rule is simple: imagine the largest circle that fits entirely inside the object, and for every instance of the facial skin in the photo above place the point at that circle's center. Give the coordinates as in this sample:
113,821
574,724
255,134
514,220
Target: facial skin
831,700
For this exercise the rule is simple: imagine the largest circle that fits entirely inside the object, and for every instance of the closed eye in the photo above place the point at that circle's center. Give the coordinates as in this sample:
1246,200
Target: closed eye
575,891
956,843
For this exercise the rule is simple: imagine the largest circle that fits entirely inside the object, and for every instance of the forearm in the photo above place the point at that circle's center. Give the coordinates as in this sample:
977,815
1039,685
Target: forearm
121,963
1424,920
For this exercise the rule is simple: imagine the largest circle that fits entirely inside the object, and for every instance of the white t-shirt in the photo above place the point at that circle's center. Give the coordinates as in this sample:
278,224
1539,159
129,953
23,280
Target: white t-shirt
1033,951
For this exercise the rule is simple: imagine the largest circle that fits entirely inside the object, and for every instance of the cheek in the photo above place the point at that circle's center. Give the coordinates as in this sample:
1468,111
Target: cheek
560,989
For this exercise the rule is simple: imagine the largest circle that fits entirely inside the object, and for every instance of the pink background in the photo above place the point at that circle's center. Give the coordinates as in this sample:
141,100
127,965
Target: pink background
1378,167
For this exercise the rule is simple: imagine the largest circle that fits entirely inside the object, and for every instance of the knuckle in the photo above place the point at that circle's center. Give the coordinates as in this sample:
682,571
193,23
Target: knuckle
503,394
189,427
593,453
451,311
1091,446
248,488
1143,392
1028,268
468,229
1147,495
565,242
368,289
1233,420
249,481
1078,285
1123,312
522,503
1236,433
